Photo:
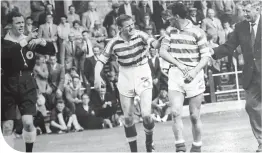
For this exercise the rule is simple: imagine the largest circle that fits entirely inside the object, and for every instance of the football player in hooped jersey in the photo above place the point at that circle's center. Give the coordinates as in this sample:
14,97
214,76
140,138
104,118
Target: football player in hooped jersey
129,46
18,87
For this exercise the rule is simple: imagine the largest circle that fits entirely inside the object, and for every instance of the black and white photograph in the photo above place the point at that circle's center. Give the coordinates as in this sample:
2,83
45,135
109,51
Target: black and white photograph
131,76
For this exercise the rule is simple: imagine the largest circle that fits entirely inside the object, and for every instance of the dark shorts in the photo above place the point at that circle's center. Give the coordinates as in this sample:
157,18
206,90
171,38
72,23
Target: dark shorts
18,91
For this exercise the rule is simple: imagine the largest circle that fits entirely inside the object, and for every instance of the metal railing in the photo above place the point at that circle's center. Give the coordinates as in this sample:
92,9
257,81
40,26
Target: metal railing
213,93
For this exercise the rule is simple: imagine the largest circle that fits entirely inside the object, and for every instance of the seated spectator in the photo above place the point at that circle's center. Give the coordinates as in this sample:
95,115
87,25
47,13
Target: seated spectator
48,31
72,16
87,118
111,17
56,80
196,20
99,33
104,103
148,23
29,27
77,29
164,104
62,119
73,94
69,76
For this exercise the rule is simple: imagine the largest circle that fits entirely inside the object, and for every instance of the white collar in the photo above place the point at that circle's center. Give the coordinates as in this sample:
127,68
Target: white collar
10,38
256,22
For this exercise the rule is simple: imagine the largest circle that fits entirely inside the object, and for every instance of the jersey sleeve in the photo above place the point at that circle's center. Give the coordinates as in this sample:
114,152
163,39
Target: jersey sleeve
146,38
105,55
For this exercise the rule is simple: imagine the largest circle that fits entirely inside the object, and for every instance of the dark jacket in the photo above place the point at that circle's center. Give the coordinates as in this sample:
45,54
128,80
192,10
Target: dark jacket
252,54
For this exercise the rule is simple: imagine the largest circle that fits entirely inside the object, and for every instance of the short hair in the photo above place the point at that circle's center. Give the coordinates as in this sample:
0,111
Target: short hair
60,101
49,14
71,6
63,16
12,15
122,18
180,9
76,21
85,31
84,94
29,17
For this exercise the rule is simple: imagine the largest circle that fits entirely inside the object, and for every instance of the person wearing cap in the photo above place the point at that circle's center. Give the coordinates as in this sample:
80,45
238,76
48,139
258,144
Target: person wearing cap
111,17
193,16
247,35
185,48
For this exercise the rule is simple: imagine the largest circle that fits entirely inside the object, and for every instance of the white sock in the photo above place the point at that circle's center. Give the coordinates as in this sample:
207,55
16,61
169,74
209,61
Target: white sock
10,140
29,137
197,143
180,141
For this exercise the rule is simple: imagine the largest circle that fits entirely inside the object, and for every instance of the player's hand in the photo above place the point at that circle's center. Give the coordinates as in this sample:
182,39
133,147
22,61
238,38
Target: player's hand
183,68
190,76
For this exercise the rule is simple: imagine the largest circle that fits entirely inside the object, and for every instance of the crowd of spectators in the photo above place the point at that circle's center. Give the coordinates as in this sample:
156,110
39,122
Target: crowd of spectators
65,79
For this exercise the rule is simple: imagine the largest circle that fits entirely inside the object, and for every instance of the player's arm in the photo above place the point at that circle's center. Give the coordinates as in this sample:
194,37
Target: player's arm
102,60
151,41
165,46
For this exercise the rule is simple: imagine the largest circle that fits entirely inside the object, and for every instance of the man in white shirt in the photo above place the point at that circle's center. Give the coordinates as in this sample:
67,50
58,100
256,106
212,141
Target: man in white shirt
63,30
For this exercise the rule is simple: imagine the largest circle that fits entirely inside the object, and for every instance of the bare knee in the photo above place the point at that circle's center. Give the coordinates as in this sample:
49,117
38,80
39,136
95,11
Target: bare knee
28,123
129,121
195,118
8,127
176,113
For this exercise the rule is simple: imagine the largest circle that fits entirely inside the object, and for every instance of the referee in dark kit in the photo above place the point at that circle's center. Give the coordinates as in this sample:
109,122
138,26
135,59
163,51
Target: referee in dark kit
18,87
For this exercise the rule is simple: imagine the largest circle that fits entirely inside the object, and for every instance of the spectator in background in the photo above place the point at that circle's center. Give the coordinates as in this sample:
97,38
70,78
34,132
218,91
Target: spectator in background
164,104
158,6
144,10
225,9
90,16
110,18
48,10
99,33
69,76
72,16
29,27
63,30
89,42
104,103
77,29
202,7
162,24
37,8
212,25
193,17
67,54
56,79
62,119
131,10
86,115
89,66
164,65
147,22
48,31
113,30
73,94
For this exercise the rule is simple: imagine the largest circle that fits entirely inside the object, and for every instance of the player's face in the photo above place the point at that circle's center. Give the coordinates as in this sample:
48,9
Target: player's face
60,107
86,99
250,13
128,28
18,25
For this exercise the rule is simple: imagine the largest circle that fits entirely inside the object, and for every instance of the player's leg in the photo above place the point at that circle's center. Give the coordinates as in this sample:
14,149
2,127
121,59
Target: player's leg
148,122
7,129
194,108
127,104
29,132
176,99
176,94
